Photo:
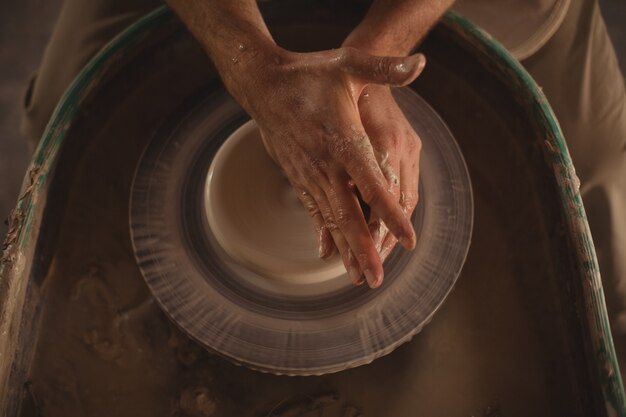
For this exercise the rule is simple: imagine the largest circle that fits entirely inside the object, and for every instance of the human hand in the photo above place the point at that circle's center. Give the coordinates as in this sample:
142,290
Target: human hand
307,108
397,147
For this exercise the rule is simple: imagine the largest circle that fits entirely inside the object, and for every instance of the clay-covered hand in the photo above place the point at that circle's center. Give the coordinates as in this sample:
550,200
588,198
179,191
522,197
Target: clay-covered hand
307,108
397,147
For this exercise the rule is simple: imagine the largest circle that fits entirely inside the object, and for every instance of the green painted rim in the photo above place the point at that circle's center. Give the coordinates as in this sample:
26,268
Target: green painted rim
45,155
594,308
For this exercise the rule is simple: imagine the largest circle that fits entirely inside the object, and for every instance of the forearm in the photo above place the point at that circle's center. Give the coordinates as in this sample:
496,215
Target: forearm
394,27
306,107
232,32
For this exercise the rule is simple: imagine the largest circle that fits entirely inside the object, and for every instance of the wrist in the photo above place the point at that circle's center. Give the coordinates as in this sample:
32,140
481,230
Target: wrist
248,57
251,71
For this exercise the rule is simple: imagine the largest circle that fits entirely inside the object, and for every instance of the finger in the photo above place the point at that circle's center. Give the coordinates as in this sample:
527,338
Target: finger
350,263
388,240
387,246
395,71
306,184
408,199
385,241
338,240
325,242
378,231
357,156
349,219
409,174
357,279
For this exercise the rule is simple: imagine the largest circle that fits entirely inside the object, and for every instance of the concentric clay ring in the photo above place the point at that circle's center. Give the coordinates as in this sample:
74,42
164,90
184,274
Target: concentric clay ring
237,293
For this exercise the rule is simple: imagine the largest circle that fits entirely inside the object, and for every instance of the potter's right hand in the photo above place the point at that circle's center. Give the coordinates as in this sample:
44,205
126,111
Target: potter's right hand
306,105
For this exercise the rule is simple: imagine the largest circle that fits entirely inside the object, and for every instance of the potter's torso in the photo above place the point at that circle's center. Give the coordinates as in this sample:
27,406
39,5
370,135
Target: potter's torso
522,26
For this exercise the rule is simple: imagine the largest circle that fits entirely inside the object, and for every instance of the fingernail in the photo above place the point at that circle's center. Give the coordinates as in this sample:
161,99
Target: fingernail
355,276
417,62
411,67
324,249
372,280
408,242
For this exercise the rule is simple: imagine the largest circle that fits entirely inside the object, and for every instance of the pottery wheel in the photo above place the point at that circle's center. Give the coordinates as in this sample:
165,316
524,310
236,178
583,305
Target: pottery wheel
231,257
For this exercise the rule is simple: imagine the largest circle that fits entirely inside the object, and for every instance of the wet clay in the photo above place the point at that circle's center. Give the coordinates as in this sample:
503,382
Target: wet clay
505,343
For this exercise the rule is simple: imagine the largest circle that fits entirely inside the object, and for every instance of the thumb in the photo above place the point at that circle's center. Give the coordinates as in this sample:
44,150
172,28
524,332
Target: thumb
395,71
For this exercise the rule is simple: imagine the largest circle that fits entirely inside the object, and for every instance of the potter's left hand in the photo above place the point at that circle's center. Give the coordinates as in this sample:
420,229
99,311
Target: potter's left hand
397,147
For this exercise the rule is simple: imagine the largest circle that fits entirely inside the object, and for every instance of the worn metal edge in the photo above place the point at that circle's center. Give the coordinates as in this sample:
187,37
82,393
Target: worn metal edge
24,220
555,149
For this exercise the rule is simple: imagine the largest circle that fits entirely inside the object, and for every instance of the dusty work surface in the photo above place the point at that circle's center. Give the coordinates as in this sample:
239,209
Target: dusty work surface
505,343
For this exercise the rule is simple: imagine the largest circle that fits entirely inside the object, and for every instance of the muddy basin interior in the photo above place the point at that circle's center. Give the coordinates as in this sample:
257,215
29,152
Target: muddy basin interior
509,341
